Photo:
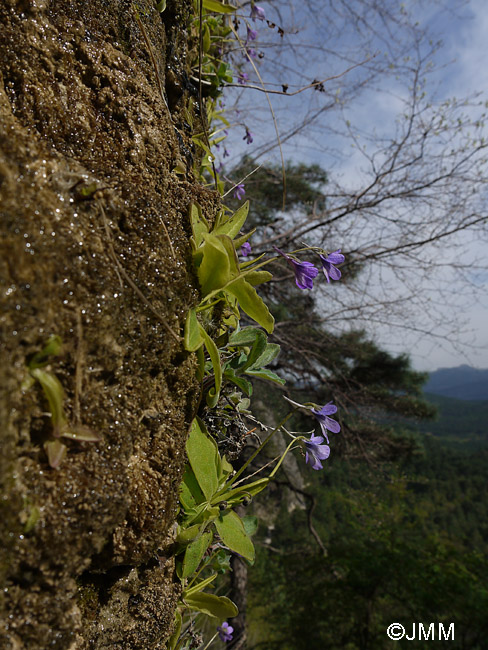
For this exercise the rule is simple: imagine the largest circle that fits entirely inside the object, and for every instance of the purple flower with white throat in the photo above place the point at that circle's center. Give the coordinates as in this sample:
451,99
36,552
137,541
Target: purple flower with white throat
257,12
315,452
225,632
245,249
327,423
305,272
239,191
328,265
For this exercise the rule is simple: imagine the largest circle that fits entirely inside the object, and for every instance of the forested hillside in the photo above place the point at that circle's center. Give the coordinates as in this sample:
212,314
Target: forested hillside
461,424
406,544
463,382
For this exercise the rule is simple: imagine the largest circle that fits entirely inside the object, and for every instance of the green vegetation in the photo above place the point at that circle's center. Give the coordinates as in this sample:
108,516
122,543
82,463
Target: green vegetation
229,357
460,424
402,515
405,544
398,548
54,394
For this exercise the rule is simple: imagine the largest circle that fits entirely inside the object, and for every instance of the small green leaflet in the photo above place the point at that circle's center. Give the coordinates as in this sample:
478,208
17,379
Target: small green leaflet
56,452
233,225
190,492
231,530
264,373
54,392
52,347
215,269
241,382
258,277
250,524
199,224
257,350
193,337
246,336
204,459
219,607
269,353
194,553
251,303
186,535
213,393
217,7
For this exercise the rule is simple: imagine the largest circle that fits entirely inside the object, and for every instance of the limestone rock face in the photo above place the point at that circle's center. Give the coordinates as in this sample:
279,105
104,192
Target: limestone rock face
94,249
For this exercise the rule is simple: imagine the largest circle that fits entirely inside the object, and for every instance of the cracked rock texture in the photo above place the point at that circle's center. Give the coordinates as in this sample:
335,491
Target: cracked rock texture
94,249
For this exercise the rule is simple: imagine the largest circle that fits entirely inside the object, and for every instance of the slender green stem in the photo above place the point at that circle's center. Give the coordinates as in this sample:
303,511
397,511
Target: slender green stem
211,641
204,566
305,248
261,469
283,456
212,304
260,448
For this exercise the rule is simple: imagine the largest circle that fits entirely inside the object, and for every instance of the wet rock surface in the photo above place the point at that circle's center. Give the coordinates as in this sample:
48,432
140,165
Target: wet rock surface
94,249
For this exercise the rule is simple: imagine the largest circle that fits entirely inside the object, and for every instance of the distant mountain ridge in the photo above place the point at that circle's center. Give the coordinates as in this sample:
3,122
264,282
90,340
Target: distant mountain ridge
463,382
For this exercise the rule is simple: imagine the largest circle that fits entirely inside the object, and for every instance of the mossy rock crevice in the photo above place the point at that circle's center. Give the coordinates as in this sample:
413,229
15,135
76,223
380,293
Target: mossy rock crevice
94,249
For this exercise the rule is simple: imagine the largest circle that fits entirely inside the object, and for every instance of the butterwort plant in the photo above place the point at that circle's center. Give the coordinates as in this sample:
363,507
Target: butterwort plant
229,358
305,272
246,249
225,632
329,263
315,450
322,416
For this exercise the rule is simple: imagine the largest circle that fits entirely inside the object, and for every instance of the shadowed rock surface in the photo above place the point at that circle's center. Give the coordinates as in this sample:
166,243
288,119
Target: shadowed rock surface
94,249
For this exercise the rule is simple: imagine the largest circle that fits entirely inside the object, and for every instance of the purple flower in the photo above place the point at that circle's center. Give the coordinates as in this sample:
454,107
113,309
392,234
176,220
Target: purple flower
316,451
327,423
305,272
239,191
242,77
251,34
248,137
250,53
245,249
257,12
226,153
225,632
330,271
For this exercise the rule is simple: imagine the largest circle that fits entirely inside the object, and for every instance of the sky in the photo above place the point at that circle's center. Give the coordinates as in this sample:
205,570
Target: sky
461,72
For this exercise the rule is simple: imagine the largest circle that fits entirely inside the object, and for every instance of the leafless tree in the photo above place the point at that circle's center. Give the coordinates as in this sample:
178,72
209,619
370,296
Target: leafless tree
406,190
